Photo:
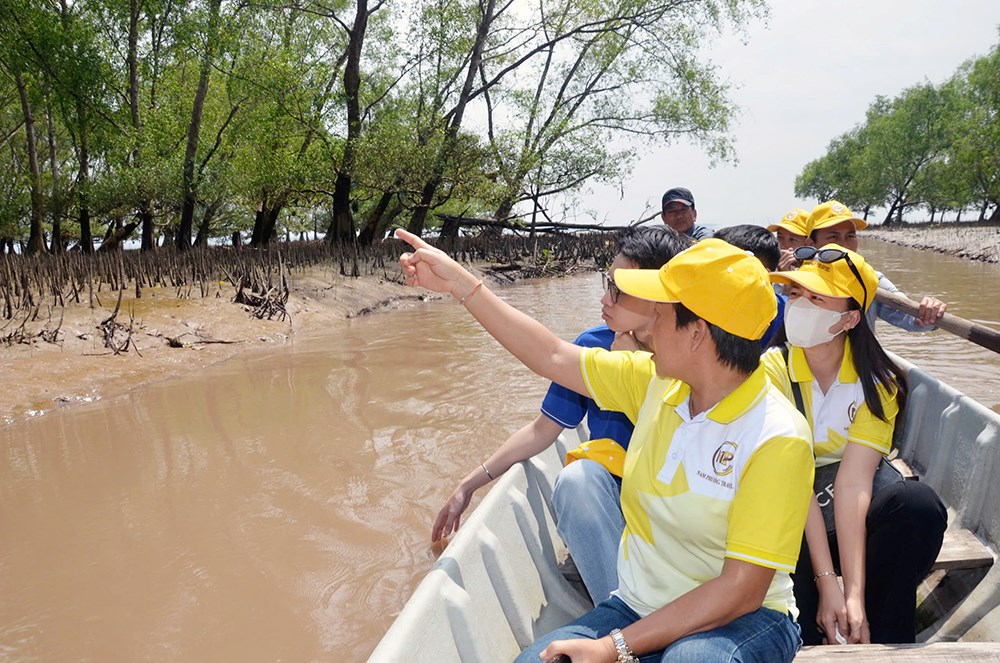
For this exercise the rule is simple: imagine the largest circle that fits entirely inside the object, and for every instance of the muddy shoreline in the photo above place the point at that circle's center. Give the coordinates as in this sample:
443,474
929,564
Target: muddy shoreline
972,242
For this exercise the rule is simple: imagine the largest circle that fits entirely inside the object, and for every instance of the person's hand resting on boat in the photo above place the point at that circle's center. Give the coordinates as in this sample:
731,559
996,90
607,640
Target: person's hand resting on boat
931,310
450,516
582,650
431,268
831,612
857,621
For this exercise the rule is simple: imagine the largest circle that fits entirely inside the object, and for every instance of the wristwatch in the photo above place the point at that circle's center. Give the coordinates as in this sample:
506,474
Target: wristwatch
625,654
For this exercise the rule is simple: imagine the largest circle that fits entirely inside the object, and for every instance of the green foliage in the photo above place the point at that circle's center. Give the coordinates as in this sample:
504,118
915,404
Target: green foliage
565,94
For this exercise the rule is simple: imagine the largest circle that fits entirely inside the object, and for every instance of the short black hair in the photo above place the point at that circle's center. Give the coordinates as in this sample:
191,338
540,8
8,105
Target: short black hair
758,240
651,247
733,351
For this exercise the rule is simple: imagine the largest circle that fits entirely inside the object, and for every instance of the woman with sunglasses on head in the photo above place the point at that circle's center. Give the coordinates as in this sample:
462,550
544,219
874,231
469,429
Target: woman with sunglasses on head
586,495
884,533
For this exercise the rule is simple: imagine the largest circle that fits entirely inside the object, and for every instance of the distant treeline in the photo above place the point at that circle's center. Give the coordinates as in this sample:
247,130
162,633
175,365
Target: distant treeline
935,147
172,122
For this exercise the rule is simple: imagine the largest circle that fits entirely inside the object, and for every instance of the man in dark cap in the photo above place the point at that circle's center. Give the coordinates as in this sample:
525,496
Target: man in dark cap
680,214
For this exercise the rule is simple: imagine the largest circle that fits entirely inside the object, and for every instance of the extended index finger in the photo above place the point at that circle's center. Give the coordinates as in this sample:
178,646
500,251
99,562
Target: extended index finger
411,239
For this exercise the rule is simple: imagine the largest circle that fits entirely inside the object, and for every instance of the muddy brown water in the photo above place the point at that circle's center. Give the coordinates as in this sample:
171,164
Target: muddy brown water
278,506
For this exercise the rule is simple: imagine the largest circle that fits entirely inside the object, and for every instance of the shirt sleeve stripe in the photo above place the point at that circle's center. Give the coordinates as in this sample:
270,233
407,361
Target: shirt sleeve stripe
760,561
586,379
556,419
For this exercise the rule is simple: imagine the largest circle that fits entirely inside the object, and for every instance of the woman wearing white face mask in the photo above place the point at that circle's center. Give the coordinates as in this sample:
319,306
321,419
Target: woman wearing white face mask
881,534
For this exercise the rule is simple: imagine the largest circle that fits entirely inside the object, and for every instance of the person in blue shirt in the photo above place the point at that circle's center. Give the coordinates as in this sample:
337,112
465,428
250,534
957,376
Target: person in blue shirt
586,495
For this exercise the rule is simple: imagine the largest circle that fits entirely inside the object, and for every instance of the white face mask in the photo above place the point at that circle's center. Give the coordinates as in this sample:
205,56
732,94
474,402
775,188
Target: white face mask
808,325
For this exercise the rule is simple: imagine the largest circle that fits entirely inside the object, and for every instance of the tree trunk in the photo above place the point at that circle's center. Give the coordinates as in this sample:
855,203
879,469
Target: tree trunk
372,228
266,221
56,202
933,212
36,241
342,226
982,210
417,221
206,223
83,184
113,241
183,238
146,221
145,206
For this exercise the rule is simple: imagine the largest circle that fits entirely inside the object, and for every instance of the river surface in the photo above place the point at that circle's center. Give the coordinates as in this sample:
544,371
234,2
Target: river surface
277,507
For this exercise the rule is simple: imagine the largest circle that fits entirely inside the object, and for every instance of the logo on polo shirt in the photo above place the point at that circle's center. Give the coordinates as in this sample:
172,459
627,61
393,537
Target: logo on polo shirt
722,459
852,410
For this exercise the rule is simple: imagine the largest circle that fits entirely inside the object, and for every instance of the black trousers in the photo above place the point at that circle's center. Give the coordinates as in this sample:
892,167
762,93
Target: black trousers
905,525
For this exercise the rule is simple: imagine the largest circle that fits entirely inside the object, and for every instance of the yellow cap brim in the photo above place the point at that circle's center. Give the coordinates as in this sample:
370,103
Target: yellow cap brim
810,281
792,229
644,284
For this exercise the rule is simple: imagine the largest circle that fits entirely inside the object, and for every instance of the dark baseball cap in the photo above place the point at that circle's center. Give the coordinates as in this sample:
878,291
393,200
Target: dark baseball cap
678,194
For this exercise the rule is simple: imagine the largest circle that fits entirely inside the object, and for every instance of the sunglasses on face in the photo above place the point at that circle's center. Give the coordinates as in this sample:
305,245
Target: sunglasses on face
610,287
832,255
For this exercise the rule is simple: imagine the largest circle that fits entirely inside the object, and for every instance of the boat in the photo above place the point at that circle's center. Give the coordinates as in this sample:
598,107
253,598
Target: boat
498,584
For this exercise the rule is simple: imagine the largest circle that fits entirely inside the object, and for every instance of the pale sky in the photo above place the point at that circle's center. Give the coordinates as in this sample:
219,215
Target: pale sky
802,79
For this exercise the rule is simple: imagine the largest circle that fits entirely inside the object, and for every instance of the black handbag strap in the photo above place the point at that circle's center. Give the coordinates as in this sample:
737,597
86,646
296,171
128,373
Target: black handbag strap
796,389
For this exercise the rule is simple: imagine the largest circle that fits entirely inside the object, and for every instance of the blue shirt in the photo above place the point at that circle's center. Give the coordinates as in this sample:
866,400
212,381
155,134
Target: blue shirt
775,325
699,233
568,408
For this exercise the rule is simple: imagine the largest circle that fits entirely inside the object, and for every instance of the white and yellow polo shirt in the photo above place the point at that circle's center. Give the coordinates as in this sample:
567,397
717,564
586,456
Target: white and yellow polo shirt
840,415
731,482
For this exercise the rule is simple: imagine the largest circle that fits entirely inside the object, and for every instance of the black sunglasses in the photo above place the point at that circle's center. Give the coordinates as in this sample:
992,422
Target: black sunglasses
610,287
832,255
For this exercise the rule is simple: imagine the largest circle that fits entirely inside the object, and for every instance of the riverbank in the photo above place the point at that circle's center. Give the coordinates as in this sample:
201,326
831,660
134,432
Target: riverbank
65,360
972,242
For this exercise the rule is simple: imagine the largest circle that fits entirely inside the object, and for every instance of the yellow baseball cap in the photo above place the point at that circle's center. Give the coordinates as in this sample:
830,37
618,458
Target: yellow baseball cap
716,281
829,273
831,213
795,222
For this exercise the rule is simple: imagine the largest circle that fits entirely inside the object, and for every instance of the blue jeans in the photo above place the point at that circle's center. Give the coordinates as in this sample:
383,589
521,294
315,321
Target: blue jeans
763,636
587,500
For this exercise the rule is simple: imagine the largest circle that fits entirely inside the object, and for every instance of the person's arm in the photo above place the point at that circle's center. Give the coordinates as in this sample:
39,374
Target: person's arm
831,612
528,340
853,491
523,444
931,310
738,591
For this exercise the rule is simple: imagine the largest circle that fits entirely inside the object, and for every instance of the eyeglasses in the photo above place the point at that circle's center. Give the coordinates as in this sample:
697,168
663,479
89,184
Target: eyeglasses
832,255
610,287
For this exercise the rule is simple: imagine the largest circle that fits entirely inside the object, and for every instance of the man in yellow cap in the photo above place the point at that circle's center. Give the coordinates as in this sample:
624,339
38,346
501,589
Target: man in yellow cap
832,223
792,232
718,475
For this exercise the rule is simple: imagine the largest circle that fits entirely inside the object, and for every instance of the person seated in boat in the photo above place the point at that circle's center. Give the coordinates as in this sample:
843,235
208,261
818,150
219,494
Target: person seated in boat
792,231
763,245
586,495
679,212
718,476
832,223
880,533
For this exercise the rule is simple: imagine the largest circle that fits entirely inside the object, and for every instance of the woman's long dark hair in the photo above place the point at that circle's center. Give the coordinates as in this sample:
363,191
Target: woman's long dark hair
874,366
